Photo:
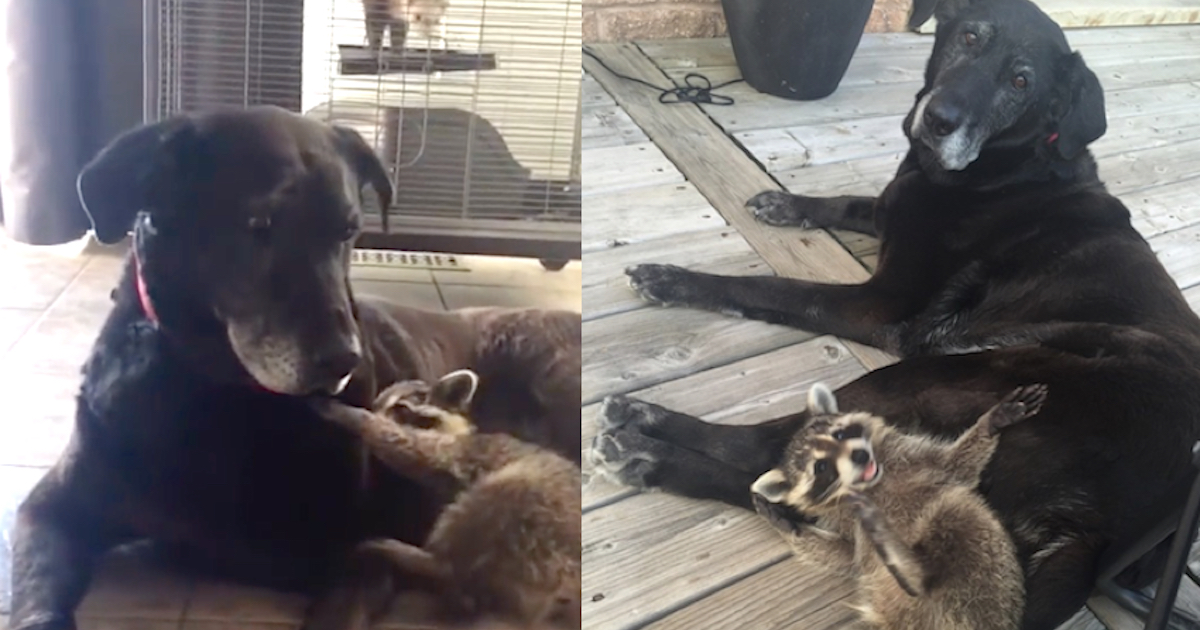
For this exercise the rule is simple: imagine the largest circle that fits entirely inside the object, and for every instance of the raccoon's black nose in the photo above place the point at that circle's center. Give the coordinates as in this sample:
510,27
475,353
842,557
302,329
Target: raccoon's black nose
860,456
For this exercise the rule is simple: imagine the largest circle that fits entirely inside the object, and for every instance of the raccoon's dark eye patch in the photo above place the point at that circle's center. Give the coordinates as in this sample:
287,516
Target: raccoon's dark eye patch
839,435
821,466
853,431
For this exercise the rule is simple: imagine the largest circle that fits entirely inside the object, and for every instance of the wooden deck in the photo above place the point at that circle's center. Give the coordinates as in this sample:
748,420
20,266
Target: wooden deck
667,184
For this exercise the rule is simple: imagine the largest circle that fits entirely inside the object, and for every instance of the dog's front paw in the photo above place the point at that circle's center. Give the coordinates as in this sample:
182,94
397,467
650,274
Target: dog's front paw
775,207
663,284
1021,403
625,457
619,411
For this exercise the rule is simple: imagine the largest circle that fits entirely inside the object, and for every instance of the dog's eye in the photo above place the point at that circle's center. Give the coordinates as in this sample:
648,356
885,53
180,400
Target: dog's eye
839,435
349,232
970,38
1020,82
821,466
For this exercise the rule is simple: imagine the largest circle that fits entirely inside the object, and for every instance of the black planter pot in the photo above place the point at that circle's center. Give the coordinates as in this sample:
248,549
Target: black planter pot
797,49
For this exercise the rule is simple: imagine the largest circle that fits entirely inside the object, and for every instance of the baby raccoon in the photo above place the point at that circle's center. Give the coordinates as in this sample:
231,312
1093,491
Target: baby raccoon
396,16
507,543
900,513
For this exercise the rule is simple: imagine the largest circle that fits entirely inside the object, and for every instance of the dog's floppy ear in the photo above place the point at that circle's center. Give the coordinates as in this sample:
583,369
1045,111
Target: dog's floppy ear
115,185
1079,108
945,10
366,164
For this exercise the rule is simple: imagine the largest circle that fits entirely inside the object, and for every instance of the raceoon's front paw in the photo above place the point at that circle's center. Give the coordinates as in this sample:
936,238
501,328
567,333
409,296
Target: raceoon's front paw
663,284
781,517
619,411
1021,403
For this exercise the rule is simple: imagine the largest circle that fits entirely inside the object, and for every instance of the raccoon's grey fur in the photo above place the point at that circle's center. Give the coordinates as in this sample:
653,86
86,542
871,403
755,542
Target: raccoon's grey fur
900,514
508,541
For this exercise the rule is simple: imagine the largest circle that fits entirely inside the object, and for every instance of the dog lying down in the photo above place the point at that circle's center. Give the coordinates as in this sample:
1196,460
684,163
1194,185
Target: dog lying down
192,431
507,543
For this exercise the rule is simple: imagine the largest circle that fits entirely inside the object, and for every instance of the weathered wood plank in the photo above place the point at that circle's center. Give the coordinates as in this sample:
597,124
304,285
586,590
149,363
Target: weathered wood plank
781,597
749,391
627,166
827,142
629,351
714,250
608,126
650,553
724,175
1179,252
641,214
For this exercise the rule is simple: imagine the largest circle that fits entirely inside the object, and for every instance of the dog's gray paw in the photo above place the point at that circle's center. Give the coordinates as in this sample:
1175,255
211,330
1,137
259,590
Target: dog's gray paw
625,457
619,411
663,284
778,208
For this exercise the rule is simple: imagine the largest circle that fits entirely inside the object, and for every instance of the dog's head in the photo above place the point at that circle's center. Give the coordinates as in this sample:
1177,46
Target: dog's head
1001,78
243,223
827,459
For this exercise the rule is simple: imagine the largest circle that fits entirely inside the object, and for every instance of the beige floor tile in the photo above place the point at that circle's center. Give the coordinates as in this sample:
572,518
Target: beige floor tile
220,601
60,342
513,272
15,483
32,279
37,415
389,274
127,587
459,296
14,322
418,295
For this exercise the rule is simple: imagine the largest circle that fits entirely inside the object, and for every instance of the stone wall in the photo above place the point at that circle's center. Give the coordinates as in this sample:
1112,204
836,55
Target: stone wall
624,20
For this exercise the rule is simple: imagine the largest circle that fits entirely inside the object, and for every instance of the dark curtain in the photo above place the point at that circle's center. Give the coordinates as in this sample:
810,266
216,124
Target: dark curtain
73,80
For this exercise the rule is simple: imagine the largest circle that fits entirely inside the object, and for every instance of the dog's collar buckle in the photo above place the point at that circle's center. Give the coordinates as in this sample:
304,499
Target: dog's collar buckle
143,292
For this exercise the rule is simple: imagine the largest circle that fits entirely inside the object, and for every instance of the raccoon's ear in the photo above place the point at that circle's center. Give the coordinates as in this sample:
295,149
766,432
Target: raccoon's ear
772,486
821,399
455,390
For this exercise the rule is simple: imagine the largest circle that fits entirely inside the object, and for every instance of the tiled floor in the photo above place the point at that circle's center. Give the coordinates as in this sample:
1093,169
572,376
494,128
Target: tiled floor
52,302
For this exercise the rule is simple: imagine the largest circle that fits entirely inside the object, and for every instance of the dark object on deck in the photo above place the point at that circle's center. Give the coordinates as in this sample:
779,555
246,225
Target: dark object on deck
361,60
1178,513
798,49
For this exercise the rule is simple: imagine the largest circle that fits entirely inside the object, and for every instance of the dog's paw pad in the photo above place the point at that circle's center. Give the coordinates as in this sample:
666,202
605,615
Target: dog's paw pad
778,208
619,411
613,457
660,284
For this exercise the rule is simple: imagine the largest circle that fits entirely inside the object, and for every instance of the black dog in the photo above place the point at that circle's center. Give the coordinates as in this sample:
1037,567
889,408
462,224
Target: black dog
192,429
1003,262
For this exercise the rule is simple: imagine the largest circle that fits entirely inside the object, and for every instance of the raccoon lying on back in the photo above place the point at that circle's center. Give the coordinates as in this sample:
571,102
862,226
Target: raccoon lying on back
900,513
507,542
396,16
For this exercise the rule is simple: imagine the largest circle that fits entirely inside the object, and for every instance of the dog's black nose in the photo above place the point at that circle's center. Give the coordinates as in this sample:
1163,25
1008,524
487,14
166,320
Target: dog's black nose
860,456
333,366
942,117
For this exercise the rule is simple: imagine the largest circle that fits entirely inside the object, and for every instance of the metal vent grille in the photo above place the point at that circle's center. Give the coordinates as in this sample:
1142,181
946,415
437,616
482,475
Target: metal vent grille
475,116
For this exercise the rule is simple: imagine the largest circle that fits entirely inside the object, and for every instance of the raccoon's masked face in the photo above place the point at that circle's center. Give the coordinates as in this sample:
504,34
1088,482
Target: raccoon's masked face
826,460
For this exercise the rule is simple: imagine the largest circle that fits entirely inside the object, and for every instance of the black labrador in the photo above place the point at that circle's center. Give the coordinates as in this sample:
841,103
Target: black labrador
193,429
1004,262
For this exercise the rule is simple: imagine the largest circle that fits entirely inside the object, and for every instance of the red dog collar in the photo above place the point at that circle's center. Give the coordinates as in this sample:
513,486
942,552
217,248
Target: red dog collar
142,292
